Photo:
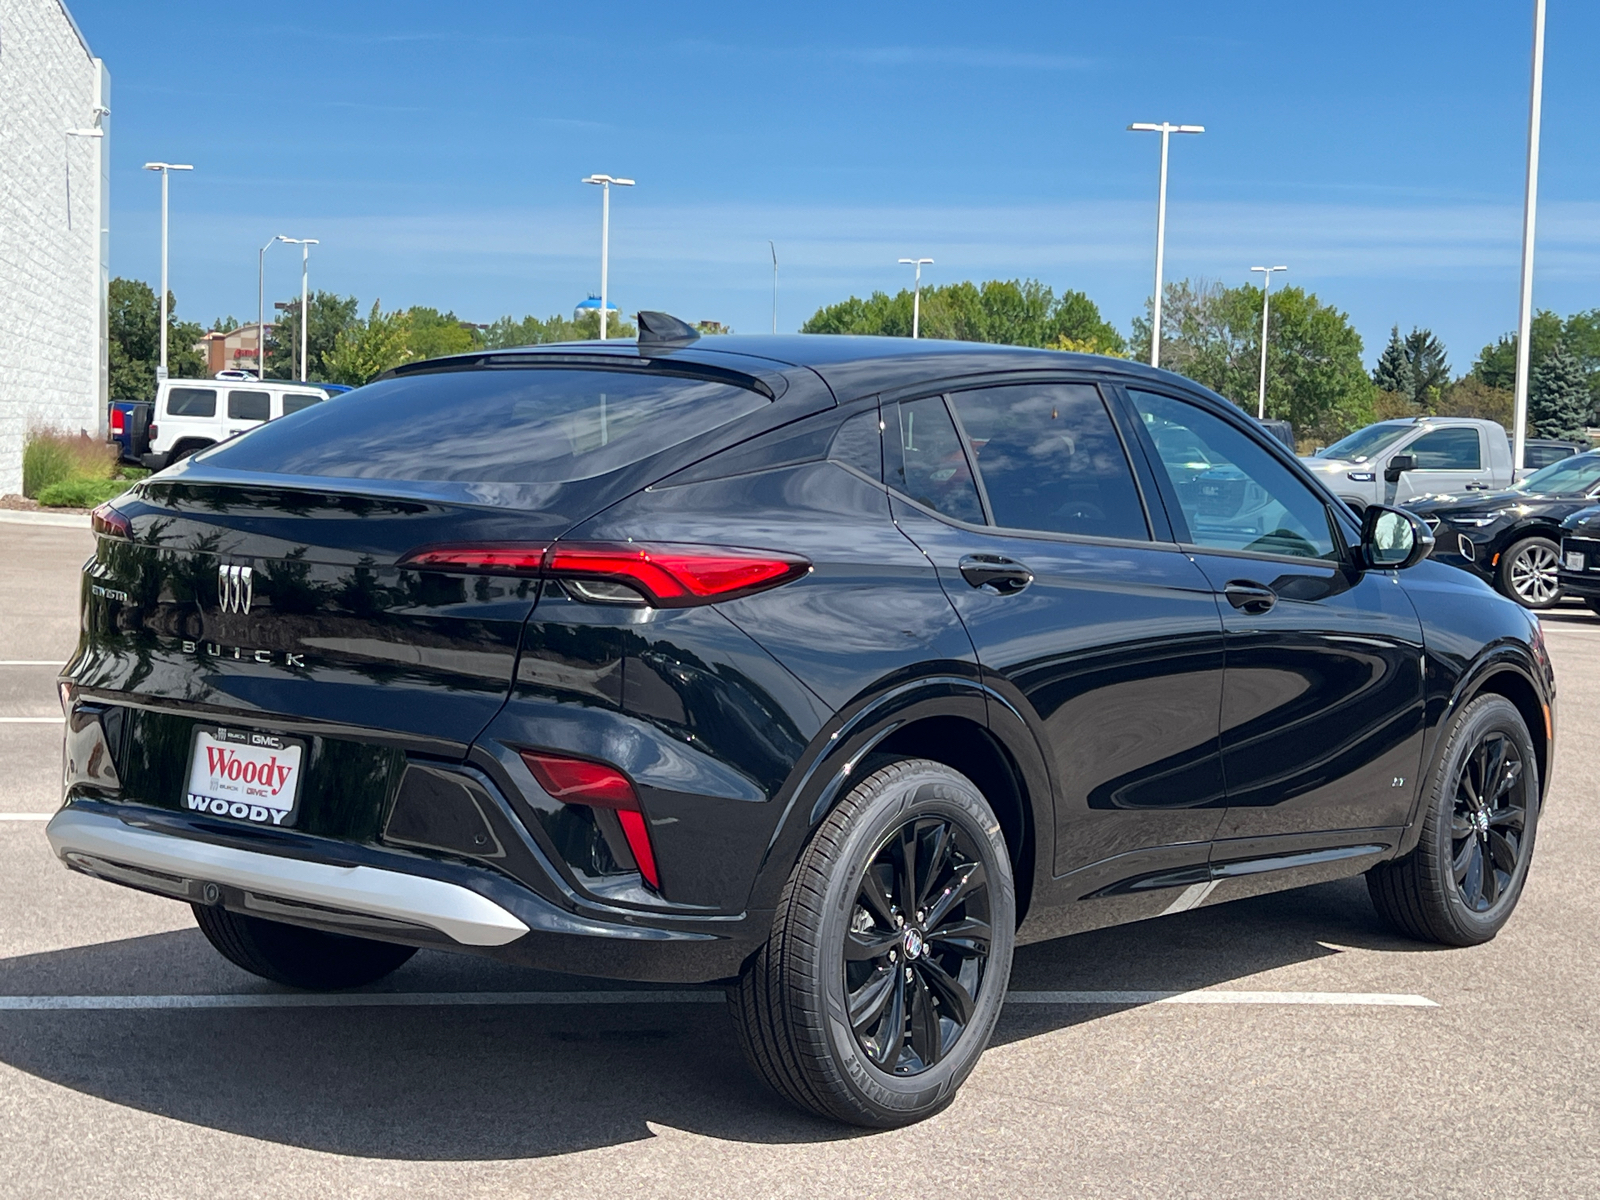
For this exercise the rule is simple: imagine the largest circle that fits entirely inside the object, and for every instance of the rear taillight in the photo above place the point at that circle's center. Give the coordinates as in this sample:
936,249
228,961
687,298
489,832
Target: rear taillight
150,431
597,785
108,522
665,576
117,426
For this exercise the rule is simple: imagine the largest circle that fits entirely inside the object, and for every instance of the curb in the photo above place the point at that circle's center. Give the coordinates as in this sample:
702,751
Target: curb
12,516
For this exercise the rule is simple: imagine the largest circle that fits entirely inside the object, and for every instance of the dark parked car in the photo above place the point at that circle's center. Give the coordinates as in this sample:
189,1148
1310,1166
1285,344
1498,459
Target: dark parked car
1512,539
1541,452
1580,556
830,668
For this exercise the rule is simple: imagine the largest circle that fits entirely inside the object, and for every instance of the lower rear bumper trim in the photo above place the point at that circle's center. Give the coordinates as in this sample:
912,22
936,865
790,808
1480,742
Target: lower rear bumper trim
457,912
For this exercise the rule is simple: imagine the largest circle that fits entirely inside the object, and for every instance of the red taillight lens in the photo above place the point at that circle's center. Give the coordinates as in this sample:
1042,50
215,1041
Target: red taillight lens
116,420
580,781
479,560
665,576
109,522
678,576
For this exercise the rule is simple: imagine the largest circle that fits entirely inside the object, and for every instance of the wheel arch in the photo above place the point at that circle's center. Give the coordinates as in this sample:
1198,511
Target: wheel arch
945,719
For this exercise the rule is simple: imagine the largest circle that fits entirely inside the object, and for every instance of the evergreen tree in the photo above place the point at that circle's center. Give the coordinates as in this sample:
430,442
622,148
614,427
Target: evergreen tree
1393,372
1558,397
1429,370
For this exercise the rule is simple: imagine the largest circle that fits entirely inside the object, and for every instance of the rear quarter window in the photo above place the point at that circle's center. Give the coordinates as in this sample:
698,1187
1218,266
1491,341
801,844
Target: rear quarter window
192,402
505,425
293,402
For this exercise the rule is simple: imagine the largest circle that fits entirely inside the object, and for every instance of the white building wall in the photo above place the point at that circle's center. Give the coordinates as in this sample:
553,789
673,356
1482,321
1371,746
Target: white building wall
54,256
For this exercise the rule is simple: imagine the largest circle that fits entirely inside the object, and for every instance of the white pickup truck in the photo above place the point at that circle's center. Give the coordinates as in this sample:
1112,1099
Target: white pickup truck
1395,461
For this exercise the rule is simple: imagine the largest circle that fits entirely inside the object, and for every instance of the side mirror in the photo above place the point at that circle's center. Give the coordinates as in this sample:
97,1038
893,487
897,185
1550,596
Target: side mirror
1398,466
1392,539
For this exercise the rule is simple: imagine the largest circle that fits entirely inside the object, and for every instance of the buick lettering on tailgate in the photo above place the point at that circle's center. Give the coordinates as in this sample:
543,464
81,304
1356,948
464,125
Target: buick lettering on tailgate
247,776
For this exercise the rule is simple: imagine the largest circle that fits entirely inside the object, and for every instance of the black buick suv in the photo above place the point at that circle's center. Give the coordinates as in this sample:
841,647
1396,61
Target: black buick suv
829,668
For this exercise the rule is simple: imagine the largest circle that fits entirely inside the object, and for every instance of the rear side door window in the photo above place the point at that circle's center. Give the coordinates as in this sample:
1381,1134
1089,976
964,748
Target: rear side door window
1049,460
249,406
191,402
927,462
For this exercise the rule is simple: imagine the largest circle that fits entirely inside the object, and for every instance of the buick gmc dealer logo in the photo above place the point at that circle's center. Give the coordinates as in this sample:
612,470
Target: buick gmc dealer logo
235,588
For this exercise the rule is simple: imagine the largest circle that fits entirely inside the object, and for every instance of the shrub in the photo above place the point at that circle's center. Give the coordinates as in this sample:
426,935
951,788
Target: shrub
52,457
81,493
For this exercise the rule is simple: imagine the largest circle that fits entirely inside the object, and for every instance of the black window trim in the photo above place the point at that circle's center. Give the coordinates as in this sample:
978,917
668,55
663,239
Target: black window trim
1108,397
1334,509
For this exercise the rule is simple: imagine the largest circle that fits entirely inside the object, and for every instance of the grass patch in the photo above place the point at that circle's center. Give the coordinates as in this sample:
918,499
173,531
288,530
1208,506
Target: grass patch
50,458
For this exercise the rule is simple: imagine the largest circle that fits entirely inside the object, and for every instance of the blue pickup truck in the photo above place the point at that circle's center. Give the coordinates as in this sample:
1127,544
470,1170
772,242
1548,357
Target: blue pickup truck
128,423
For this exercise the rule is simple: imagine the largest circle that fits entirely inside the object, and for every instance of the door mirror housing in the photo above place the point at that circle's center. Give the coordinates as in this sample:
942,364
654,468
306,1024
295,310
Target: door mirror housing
1398,466
1393,539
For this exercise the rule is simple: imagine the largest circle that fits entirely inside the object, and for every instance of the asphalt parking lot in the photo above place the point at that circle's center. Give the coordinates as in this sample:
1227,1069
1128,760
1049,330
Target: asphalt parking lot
1328,1057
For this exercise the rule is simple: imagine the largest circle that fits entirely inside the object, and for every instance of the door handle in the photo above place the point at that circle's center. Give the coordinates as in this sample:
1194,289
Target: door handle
1249,597
1477,486
996,574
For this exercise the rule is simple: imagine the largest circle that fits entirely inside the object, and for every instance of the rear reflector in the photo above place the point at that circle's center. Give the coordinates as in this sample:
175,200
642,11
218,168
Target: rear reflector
108,521
667,576
580,781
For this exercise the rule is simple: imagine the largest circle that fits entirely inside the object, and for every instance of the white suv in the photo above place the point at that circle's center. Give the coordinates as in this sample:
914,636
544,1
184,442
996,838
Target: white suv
191,414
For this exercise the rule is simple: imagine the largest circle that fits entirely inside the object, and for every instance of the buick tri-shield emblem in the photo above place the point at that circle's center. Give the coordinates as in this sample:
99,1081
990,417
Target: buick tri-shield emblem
235,589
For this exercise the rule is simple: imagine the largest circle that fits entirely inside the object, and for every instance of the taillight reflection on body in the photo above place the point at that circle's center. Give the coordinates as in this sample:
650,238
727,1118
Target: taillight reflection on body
665,576
581,781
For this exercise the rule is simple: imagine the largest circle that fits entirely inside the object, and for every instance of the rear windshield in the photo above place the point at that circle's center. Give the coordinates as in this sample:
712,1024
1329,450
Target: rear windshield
521,425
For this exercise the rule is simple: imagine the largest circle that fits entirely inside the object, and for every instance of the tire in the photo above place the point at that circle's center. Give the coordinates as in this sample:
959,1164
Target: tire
791,1007
297,957
188,450
1527,572
1431,893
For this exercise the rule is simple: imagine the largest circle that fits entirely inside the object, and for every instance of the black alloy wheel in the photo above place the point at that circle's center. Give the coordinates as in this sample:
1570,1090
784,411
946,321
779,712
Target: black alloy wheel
917,953
1529,572
876,994
1489,822
1461,883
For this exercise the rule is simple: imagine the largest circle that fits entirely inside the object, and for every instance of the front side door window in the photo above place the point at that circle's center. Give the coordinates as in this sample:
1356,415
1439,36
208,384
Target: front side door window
1448,460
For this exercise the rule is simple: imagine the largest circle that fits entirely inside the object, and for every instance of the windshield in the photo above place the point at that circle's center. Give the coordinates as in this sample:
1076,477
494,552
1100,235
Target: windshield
515,426
1364,443
1576,474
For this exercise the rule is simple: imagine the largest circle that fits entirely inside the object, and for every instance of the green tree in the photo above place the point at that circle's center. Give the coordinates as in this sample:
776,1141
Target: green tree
134,333
366,348
1558,397
508,332
330,316
1012,312
1393,372
1496,364
1430,371
1315,377
433,334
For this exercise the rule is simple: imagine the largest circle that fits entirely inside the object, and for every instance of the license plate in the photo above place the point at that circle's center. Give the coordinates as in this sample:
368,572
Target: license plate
1574,560
245,776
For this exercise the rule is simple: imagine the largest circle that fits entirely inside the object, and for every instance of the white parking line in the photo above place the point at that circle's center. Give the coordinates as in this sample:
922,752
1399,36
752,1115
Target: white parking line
31,720
26,816
29,662
698,996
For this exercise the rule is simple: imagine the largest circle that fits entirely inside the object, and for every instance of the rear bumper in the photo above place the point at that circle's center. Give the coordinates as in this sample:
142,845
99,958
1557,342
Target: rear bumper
107,846
154,461
368,891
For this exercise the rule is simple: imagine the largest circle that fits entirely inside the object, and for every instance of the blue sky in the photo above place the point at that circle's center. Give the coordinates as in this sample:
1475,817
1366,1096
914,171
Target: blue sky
436,150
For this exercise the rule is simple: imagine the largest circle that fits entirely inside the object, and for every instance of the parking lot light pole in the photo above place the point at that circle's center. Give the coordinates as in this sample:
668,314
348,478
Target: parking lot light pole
1530,209
774,250
261,307
1266,286
165,169
1165,130
305,245
916,297
605,182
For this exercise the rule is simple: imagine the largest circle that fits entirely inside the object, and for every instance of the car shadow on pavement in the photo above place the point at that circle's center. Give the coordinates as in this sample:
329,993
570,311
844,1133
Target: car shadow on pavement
470,1083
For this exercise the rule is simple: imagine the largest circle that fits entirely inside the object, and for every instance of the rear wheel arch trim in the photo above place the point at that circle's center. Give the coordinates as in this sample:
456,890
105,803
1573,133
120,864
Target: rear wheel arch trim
867,729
